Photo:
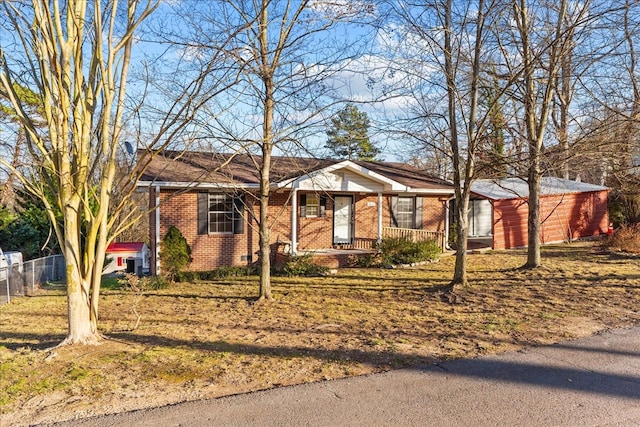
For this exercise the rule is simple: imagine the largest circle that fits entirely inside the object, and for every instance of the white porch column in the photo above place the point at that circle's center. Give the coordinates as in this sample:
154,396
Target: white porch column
294,221
157,230
379,217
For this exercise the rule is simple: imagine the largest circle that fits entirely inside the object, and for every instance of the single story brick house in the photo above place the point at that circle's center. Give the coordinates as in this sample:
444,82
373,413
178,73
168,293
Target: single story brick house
315,205
568,210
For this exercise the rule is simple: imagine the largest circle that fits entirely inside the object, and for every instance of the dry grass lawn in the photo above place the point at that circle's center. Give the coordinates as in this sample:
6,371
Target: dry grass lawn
211,339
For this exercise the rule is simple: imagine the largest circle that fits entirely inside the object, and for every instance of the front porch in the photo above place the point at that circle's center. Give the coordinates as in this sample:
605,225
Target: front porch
342,255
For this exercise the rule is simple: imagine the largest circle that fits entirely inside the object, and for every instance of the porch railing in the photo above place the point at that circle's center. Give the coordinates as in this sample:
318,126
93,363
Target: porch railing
414,235
393,232
360,243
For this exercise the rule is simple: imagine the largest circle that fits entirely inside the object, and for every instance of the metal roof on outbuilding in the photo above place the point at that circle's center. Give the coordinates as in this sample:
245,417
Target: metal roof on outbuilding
515,188
126,247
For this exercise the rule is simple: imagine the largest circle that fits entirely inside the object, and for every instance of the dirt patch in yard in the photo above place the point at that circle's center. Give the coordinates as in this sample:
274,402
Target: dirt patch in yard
211,339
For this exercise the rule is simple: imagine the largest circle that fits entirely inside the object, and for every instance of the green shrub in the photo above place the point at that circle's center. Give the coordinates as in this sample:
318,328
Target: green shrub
402,251
237,271
186,276
175,253
624,239
366,260
218,273
303,265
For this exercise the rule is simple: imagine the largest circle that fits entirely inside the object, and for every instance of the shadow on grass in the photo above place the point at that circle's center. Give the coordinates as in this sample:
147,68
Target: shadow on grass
249,299
604,281
493,368
14,341
590,381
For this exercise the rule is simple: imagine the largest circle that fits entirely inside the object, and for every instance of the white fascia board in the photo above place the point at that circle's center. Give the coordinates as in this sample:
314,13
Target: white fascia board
433,191
195,185
391,185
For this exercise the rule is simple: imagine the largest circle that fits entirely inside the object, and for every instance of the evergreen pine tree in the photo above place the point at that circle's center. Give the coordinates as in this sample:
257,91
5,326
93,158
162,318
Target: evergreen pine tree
348,137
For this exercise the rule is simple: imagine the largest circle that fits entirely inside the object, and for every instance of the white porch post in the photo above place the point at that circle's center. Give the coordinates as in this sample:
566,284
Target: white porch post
157,230
294,221
379,217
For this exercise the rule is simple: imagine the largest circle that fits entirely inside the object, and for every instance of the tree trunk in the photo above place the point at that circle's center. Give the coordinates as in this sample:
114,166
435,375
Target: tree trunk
264,232
462,227
267,73
83,327
536,109
463,166
533,252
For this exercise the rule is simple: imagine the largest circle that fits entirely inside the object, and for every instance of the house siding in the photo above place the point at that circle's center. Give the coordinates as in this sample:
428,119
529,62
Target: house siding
564,217
212,251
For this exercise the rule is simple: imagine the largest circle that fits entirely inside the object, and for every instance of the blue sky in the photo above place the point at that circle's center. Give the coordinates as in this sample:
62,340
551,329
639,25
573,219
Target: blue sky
358,75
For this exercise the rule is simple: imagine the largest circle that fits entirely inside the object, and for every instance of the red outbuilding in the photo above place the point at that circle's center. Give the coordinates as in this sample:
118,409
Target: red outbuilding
568,210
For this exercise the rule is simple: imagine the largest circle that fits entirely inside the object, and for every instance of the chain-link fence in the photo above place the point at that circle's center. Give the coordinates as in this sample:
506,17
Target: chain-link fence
23,279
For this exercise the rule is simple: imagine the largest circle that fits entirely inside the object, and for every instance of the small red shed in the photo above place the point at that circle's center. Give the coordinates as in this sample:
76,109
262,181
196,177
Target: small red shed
569,210
132,257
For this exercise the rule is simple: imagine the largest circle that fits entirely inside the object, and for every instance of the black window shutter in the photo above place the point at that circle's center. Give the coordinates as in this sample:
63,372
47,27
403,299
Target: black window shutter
203,213
303,205
238,213
418,214
394,211
323,206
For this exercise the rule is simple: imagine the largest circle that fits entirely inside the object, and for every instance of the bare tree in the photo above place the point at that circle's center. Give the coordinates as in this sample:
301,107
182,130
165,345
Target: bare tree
289,62
79,68
543,36
454,35
76,56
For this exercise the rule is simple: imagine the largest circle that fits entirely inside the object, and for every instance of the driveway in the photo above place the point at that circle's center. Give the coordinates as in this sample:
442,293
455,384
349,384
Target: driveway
592,381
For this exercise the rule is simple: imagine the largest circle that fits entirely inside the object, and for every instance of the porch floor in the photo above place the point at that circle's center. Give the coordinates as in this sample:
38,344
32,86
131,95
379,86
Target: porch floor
479,243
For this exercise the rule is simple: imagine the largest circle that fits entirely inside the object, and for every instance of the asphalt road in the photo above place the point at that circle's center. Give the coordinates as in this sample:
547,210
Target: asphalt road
592,381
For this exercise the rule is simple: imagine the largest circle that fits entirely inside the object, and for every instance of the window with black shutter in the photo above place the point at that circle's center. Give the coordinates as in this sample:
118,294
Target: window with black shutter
220,213
312,205
406,212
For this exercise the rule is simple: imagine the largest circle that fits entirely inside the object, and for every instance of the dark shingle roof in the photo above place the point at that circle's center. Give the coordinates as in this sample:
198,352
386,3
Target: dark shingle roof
242,169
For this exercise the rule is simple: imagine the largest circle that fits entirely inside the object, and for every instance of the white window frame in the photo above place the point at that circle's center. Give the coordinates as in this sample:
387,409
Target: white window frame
411,213
228,215
312,204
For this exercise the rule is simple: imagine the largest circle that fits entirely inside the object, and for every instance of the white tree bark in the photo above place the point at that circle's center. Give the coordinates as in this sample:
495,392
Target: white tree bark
79,53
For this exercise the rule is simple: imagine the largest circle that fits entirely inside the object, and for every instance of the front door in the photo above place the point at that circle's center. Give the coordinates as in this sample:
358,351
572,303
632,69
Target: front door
342,219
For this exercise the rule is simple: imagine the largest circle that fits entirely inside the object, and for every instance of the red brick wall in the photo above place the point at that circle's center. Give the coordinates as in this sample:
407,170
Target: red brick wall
433,213
208,251
315,232
366,217
216,250
564,217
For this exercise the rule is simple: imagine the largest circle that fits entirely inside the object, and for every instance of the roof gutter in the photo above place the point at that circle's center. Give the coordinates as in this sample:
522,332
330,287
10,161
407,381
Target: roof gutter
194,185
